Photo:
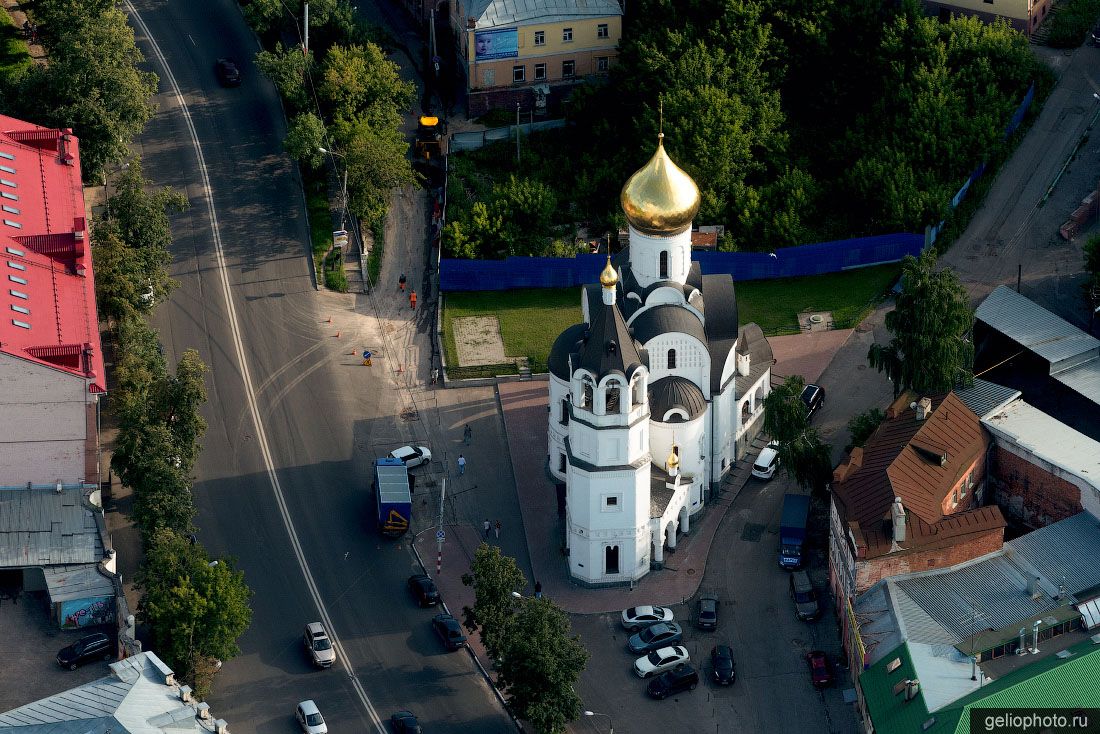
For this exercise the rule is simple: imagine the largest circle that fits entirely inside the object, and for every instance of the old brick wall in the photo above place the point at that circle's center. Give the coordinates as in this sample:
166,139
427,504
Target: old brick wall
1028,493
870,572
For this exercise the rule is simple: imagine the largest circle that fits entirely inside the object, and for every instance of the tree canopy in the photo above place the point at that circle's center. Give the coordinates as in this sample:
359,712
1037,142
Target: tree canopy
802,453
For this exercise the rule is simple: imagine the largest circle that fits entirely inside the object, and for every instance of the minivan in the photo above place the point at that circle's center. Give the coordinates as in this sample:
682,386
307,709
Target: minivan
804,596
681,678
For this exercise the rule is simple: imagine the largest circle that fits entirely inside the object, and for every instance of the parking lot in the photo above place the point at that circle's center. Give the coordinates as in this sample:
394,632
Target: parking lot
30,638
773,691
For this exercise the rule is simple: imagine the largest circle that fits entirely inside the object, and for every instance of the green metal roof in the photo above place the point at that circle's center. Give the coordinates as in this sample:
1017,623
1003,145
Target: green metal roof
1051,682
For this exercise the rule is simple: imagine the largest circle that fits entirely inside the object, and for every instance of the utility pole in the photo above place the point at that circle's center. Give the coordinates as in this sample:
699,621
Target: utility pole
305,41
517,133
439,530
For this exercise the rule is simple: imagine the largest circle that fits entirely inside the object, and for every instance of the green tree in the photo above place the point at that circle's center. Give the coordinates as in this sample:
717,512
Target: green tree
305,138
930,349
541,663
116,273
265,15
527,205
494,577
377,161
802,453
356,78
177,402
861,426
1092,260
196,609
162,488
287,69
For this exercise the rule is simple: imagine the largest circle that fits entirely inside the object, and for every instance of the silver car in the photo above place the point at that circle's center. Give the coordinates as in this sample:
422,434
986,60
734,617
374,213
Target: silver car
318,645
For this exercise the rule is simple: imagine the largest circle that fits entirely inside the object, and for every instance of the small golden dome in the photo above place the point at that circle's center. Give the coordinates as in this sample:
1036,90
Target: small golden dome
608,278
660,199
673,460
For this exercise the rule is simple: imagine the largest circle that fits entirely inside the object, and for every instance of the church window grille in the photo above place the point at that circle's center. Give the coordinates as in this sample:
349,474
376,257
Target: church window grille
672,359
561,463
611,559
746,410
664,265
586,400
613,399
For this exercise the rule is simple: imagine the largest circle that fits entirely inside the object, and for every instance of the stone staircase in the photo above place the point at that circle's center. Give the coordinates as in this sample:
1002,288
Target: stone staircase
524,367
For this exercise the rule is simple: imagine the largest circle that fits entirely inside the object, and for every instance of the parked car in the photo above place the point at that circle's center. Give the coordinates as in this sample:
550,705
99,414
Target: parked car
659,661
86,649
424,590
681,678
1095,35
820,671
656,637
449,631
767,462
229,74
636,619
722,668
804,596
706,614
412,456
814,397
318,645
403,722
310,719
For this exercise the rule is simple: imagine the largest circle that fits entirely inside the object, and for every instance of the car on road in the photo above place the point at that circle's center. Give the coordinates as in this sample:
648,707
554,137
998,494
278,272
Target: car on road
804,596
449,631
318,645
403,722
659,661
1095,38
723,671
681,678
656,637
90,647
766,462
412,456
820,672
423,590
636,619
813,396
229,74
706,613
310,719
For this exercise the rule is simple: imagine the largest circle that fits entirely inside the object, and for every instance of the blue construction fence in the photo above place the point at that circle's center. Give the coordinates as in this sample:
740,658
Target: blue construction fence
788,262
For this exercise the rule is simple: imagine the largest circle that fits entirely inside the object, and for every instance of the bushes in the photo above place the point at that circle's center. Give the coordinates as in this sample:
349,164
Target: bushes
1072,22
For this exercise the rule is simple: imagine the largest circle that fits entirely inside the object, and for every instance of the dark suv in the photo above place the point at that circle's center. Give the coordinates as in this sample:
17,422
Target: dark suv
92,647
681,678
706,617
814,397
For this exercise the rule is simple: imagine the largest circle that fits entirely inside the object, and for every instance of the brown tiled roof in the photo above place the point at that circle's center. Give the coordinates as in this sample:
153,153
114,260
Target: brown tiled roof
902,459
925,536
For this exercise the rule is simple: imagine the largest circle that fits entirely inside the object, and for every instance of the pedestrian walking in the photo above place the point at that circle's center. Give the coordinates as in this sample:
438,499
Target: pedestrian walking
401,282
462,470
412,300
538,590
487,526
497,529
467,434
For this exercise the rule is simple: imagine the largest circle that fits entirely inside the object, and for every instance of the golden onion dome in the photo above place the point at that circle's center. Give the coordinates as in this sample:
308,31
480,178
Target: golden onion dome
660,199
608,278
673,460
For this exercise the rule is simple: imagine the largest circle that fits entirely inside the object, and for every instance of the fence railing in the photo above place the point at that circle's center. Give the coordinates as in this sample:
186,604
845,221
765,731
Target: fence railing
473,139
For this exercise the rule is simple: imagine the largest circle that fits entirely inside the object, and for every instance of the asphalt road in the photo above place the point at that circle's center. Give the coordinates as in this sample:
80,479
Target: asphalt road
292,494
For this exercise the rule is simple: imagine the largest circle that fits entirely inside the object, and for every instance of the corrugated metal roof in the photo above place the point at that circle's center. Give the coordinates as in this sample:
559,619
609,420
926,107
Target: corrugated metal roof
66,583
1063,552
40,527
1083,379
985,397
498,13
1032,326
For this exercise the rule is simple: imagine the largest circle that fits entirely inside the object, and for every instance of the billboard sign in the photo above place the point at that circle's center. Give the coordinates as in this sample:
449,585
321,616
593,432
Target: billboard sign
501,43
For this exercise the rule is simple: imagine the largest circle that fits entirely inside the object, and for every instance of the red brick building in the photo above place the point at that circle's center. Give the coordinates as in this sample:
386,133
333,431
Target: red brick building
911,498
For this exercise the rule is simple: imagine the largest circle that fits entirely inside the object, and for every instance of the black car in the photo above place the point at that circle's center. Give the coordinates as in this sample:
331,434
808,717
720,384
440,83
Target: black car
722,668
423,589
706,615
813,396
449,631
403,722
92,647
681,678
229,75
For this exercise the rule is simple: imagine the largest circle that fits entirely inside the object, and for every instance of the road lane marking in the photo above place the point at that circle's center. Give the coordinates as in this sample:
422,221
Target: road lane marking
250,394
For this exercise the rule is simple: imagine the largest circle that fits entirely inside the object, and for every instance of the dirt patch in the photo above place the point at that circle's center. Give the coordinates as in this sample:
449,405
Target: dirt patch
478,341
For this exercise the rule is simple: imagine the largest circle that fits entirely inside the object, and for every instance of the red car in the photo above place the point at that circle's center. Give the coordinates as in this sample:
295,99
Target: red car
819,668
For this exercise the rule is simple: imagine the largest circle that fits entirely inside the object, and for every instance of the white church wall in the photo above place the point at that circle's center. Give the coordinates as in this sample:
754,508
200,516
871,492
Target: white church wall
608,509
688,436
645,256
558,427
692,359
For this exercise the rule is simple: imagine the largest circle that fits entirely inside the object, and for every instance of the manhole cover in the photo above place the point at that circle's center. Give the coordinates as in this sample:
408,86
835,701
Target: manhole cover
752,532
691,572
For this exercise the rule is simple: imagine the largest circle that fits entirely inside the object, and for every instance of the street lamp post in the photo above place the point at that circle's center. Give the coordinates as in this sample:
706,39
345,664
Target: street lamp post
344,190
610,723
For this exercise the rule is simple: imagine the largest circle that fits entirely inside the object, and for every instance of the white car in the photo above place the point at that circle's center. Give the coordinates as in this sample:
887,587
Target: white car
412,455
636,619
310,719
766,463
660,660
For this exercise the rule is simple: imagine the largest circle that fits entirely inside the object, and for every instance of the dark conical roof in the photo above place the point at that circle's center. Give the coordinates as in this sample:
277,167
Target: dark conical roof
567,343
609,347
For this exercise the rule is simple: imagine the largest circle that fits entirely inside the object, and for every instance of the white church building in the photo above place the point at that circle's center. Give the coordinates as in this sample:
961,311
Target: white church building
656,395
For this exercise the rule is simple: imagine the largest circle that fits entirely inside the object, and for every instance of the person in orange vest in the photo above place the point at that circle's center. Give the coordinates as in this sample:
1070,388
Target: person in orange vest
412,299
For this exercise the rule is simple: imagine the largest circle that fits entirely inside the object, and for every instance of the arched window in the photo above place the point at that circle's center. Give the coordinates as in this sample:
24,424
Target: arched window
672,359
612,399
586,398
611,559
664,264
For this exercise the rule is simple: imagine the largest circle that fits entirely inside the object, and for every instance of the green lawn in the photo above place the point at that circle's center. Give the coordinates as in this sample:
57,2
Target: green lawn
13,52
530,320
